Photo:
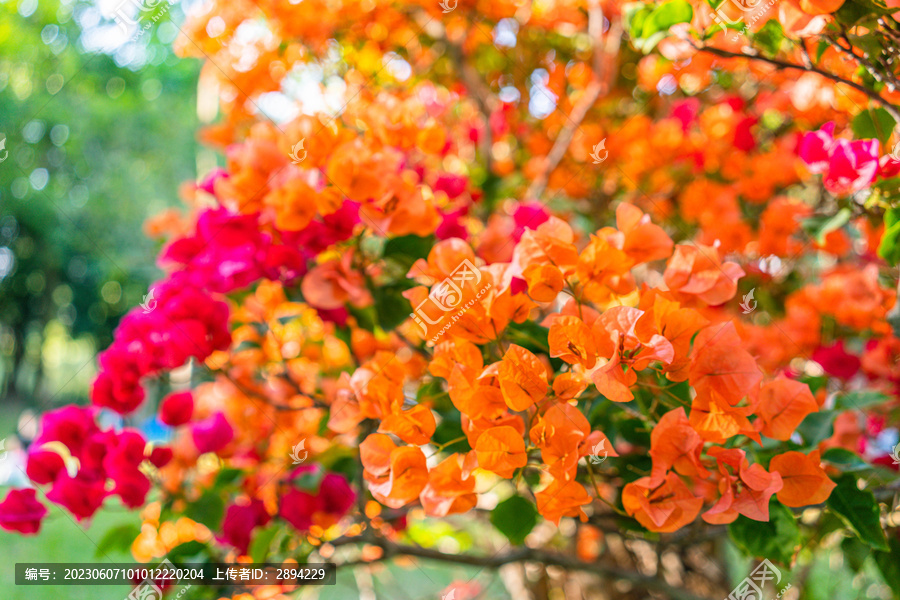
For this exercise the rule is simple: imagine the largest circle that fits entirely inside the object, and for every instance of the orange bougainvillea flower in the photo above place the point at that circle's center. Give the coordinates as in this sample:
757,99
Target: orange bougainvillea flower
449,489
603,267
720,367
450,353
614,335
745,489
570,385
552,242
675,445
644,241
523,378
676,324
562,433
716,421
501,450
562,499
545,282
396,475
805,481
572,341
413,426
783,404
335,283
663,508
697,271
474,397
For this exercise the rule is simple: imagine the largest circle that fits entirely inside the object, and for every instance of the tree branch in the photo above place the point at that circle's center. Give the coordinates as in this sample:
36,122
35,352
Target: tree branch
391,550
890,108
599,84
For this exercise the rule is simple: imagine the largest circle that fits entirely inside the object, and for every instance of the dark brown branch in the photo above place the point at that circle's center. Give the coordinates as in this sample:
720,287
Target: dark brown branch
391,550
890,108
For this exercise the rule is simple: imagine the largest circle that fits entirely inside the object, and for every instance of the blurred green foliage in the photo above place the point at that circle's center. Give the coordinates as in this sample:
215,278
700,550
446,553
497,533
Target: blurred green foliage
97,141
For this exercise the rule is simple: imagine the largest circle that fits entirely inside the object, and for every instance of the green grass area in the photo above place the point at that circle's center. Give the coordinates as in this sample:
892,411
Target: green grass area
62,540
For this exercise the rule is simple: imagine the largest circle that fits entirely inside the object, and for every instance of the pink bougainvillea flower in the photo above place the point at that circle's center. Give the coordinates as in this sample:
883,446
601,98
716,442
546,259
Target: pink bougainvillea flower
212,434
836,361
889,165
686,111
852,166
176,409
528,215
160,456
80,495
297,508
21,512
452,185
451,226
743,134
43,466
71,425
336,494
815,148
239,522
208,184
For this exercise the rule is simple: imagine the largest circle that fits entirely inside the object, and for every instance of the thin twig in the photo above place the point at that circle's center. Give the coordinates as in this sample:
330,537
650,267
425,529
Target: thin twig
890,108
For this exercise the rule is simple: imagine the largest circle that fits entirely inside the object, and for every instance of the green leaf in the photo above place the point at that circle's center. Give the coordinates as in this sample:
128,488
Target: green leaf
228,476
431,390
845,460
259,547
208,509
185,550
666,15
873,123
889,565
118,539
769,37
859,510
776,540
515,517
856,552
634,15
853,11
859,399
817,426
529,335
889,249
407,249
247,345
821,225
391,307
